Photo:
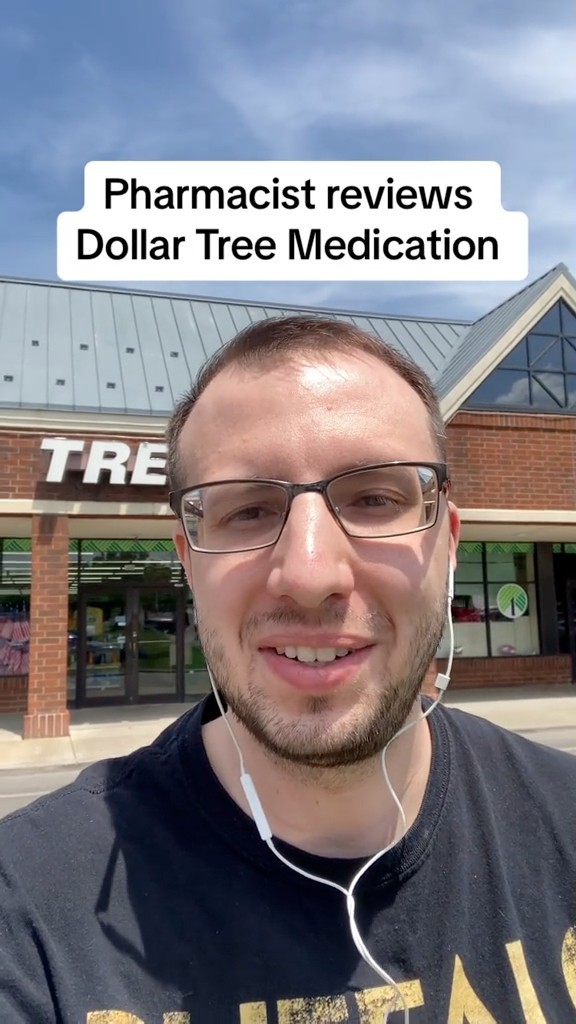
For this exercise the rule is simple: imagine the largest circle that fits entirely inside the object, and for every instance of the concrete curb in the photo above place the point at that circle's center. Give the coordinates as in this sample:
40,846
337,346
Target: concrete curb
64,751
84,745
53,753
525,715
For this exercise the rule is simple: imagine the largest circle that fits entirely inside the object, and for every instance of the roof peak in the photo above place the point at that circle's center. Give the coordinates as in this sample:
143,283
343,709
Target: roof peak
555,271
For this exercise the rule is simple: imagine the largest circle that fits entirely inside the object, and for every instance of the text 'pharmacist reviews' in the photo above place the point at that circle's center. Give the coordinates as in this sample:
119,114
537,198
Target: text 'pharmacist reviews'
292,221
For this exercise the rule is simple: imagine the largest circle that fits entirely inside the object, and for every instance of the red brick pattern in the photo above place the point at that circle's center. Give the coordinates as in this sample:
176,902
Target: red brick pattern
46,725
48,628
497,460
13,691
23,469
513,461
539,670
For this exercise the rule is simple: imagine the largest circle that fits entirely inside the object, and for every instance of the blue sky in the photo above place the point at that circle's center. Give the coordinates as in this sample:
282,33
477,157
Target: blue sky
299,79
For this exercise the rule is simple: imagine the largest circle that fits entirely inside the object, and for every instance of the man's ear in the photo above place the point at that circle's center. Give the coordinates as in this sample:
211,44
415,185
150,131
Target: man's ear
183,551
454,533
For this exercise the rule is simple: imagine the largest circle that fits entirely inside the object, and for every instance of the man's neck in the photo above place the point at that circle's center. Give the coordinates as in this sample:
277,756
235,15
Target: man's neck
347,812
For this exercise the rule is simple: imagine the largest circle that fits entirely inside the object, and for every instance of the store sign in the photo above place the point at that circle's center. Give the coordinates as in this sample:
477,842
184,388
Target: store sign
112,462
512,600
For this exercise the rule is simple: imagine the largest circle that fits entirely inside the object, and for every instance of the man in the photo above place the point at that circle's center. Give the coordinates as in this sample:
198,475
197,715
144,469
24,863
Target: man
314,523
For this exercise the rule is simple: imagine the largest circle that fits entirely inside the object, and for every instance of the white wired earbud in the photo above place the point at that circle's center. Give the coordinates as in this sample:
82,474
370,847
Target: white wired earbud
441,683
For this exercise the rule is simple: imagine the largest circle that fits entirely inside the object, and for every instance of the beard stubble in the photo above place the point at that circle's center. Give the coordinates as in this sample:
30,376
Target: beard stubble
310,743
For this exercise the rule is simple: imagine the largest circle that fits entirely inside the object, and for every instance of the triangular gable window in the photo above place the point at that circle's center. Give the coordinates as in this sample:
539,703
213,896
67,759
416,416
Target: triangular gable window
539,375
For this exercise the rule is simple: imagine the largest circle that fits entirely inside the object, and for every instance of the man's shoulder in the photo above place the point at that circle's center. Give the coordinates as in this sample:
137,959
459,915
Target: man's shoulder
510,760
74,814
526,741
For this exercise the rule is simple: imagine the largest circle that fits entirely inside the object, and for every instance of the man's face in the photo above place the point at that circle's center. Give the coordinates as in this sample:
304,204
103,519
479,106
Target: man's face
384,600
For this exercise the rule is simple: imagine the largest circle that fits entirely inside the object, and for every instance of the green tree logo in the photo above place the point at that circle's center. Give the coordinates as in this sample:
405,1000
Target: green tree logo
512,600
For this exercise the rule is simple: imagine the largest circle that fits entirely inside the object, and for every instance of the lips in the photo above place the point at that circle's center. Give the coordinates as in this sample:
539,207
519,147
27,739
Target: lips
316,668
316,641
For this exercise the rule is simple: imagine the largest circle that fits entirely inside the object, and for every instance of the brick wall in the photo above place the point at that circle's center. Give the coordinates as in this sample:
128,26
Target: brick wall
23,469
504,460
47,678
13,691
513,461
540,670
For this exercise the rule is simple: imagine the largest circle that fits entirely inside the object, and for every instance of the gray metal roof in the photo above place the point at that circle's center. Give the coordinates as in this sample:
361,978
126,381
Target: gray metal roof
92,349
477,341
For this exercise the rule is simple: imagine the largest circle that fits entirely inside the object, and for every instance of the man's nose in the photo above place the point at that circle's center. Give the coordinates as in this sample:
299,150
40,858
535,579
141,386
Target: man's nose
312,559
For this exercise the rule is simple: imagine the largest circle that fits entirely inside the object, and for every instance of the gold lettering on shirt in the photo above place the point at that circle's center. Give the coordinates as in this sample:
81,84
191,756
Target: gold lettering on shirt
569,962
465,1006
321,1010
530,1005
112,1017
177,1017
375,1003
253,1013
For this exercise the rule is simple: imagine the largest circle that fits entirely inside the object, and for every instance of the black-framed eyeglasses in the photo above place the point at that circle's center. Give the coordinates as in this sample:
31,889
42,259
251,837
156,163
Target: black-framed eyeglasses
390,499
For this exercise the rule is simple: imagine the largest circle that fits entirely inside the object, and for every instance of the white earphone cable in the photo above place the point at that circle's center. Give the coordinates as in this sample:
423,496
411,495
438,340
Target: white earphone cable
441,682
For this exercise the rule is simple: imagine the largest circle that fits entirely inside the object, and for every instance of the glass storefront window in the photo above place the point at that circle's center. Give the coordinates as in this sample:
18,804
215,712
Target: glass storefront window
494,611
15,583
145,561
470,637
15,564
513,622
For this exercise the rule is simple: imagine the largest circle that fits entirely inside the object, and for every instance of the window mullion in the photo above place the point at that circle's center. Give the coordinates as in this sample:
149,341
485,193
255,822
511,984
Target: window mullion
486,599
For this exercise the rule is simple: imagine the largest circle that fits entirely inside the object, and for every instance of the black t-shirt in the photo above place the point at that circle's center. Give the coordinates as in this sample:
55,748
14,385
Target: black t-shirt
143,893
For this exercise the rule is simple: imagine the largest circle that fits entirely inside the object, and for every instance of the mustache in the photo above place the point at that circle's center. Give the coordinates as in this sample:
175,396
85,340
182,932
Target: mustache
373,623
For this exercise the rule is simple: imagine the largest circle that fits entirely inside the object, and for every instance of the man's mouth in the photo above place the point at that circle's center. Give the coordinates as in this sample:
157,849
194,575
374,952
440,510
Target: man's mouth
315,669
321,655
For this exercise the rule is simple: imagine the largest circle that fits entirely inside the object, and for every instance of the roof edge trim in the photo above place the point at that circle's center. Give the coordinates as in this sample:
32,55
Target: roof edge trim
42,421
560,288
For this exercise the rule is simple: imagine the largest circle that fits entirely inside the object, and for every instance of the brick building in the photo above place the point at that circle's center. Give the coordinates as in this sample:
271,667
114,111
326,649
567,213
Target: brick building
93,604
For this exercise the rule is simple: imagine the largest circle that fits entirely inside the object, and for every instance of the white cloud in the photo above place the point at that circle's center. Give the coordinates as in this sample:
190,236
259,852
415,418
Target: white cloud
393,67
398,76
532,65
518,394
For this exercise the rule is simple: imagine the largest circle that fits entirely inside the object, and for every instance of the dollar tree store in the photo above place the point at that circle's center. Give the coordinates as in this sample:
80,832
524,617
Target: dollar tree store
94,607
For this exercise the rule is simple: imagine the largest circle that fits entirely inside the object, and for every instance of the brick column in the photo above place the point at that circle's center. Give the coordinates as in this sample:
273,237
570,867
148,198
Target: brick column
47,714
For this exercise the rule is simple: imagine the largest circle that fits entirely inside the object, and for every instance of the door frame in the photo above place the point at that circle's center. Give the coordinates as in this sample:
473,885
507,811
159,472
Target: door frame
570,612
131,590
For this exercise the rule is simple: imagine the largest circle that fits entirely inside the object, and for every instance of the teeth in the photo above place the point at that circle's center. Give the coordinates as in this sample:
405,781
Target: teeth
310,654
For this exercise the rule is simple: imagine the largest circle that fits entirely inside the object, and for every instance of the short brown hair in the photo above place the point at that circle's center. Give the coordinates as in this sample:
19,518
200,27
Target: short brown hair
275,340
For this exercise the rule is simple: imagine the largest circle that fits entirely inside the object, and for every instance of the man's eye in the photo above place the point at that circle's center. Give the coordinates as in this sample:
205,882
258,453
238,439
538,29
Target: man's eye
254,512
251,513
375,500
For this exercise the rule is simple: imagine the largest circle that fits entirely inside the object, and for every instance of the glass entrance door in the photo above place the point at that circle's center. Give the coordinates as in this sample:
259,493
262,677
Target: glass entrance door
129,645
98,648
155,643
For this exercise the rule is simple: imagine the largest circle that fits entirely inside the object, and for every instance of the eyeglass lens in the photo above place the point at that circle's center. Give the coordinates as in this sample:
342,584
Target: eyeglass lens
378,502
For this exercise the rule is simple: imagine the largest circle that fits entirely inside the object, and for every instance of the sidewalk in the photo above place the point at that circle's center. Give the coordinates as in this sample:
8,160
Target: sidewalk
110,732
